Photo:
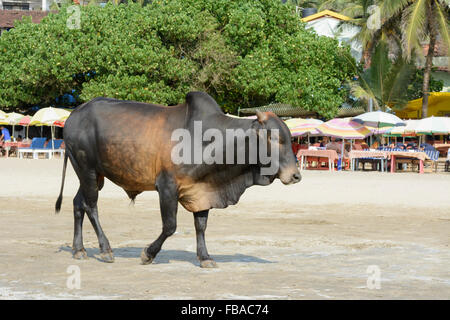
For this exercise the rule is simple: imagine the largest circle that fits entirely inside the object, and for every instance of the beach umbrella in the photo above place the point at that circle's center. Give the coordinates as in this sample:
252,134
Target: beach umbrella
344,128
299,127
2,116
408,130
433,125
25,121
48,116
248,117
13,119
59,123
379,119
379,122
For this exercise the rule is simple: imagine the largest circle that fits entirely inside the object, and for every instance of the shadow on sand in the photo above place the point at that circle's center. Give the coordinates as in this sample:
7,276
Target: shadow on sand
165,256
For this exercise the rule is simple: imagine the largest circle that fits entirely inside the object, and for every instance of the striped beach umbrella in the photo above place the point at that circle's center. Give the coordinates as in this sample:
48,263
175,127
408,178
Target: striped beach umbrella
344,128
299,126
379,122
379,119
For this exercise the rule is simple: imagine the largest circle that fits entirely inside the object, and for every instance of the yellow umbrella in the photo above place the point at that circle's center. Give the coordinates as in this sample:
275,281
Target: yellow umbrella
48,116
13,119
3,117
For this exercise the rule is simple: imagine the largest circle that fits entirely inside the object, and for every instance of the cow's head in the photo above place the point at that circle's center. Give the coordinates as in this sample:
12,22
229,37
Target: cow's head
278,133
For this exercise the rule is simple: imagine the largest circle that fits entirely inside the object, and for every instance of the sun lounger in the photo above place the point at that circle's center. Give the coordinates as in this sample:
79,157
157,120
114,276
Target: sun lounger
36,143
434,158
51,147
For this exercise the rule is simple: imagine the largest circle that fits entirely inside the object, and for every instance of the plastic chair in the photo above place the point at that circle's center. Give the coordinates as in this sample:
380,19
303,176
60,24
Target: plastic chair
36,143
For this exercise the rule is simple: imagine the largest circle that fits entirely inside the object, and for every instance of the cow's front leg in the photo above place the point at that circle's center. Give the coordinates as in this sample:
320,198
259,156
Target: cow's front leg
168,201
200,221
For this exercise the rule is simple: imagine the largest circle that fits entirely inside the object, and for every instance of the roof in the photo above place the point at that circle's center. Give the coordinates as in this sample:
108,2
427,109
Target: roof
286,110
438,105
7,17
326,13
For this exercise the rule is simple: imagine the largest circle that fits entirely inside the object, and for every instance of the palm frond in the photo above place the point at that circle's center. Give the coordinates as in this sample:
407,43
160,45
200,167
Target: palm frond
413,25
390,8
397,80
442,20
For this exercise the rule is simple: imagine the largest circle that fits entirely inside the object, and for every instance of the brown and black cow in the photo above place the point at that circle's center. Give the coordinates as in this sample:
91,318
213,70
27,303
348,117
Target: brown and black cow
135,145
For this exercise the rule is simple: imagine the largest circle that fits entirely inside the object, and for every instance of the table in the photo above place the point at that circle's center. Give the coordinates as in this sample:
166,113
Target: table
330,154
8,145
359,154
442,147
421,156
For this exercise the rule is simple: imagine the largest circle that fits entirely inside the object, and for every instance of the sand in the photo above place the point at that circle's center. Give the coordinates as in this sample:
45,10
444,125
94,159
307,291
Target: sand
342,235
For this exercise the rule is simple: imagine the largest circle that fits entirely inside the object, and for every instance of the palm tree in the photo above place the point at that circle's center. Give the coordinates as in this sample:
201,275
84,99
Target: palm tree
421,21
384,82
359,11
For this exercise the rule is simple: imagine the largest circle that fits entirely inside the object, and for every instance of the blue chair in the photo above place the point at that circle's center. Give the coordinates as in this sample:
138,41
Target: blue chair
36,143
434,157
51,147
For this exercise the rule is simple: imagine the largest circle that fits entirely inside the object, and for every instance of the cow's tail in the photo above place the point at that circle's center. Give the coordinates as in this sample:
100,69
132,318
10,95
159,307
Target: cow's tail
59,201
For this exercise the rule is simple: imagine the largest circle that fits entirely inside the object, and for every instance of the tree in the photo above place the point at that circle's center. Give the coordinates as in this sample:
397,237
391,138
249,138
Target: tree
244,53
422,21
384,81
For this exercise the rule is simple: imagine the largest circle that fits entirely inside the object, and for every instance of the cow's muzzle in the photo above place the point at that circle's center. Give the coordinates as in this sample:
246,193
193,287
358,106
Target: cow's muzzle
291,177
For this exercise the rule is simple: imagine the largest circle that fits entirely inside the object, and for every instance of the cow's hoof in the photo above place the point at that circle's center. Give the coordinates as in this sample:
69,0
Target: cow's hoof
80,255
208,264
144,258
107,257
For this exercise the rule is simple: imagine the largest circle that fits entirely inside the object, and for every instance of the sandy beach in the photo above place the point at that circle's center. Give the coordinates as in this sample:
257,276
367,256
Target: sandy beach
319,239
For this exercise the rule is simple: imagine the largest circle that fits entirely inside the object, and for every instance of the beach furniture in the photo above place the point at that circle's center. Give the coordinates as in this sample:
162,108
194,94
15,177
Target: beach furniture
51,147
372,156
318,156
36,143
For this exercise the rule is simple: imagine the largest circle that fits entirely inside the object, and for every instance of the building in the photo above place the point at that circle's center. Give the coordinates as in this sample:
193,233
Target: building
328,23
26,5
7,17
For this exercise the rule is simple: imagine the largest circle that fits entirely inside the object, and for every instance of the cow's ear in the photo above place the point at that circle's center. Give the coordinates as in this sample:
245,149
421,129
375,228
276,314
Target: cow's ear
261,116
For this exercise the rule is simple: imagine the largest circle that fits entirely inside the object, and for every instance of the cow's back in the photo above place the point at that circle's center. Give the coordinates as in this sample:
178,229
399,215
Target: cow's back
128,142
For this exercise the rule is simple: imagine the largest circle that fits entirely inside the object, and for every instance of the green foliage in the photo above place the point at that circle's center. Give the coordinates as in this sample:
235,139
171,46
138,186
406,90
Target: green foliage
244,53
415,87
384,81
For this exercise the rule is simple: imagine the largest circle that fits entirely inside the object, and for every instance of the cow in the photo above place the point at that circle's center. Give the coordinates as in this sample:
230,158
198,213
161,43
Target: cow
131,143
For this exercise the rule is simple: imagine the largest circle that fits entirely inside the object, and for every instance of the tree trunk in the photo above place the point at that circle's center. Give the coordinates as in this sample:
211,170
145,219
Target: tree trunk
428,61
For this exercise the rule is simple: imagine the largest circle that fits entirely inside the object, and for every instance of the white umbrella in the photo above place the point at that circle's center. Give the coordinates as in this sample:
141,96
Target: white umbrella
433,125
13,119
409,129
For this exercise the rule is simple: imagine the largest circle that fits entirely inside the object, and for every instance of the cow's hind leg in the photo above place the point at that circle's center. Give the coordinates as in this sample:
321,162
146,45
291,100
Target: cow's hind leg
200,221
105,249
90,187
168,200
78,212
